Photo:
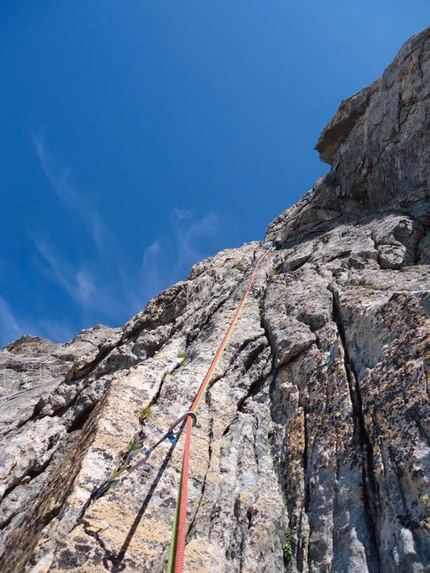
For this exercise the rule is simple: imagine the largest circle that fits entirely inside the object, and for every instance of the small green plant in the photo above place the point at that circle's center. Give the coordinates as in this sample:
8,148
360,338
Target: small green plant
183,356
288,550
133,447
163,378
371,287
238,266
270,433
273,273
145,414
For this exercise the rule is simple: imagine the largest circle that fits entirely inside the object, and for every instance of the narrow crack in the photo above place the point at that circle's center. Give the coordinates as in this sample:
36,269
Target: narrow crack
191,336
370,486
256,386
202,491
307,492
264,326
103,351
60,412
80,420
108,555
248,362
9,519
419,238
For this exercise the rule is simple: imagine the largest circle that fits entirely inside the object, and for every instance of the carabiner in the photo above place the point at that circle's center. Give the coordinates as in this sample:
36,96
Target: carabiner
179,420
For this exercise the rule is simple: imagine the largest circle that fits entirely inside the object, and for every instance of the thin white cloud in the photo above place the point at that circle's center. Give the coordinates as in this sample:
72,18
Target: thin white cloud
116,293
169,259
151,271
104,280
60,178
10,326
59,270
56,331
85,286
13,327
82,285
189,234
84,281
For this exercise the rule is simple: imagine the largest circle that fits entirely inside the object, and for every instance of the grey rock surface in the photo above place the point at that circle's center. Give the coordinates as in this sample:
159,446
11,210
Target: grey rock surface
377,146
312,446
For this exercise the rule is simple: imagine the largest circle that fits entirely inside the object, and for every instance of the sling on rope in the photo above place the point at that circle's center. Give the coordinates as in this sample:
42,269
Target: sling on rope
177,545
127,467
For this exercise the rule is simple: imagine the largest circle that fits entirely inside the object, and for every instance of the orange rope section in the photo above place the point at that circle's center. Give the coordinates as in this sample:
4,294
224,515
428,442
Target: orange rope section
177,551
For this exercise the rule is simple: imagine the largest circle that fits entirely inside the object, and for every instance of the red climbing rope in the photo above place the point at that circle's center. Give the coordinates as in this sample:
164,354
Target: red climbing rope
177,548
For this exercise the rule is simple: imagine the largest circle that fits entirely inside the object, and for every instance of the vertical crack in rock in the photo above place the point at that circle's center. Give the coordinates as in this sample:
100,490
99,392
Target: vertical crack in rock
369,484
250,358
259,382
48,504
191,336
109,562
307,497
209,461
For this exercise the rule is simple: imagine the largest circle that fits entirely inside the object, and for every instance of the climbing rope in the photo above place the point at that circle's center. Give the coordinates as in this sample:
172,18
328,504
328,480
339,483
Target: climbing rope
177,546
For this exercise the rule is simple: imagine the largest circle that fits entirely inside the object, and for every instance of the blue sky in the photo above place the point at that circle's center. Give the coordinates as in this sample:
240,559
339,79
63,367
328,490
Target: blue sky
139,136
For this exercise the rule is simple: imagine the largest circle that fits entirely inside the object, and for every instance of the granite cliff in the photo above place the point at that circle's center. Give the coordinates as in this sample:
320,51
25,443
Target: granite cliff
312,447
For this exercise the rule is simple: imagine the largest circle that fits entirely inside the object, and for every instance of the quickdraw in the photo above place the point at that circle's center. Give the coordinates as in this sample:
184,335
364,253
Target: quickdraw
127,467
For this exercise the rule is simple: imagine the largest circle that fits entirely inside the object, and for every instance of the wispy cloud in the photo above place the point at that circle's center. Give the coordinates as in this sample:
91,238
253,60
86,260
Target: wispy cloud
60,178
190,233
93,281
13,326
150,273
170,258
10,326
90,288
103,281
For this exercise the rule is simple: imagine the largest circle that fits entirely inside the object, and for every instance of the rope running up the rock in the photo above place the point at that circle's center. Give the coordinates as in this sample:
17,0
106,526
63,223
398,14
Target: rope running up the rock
177,546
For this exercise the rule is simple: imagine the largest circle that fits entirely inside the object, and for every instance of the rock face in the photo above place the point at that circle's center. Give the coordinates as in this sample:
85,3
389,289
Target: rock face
312,447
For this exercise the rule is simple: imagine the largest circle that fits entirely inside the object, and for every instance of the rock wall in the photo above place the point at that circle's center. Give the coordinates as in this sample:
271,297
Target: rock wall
312,447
